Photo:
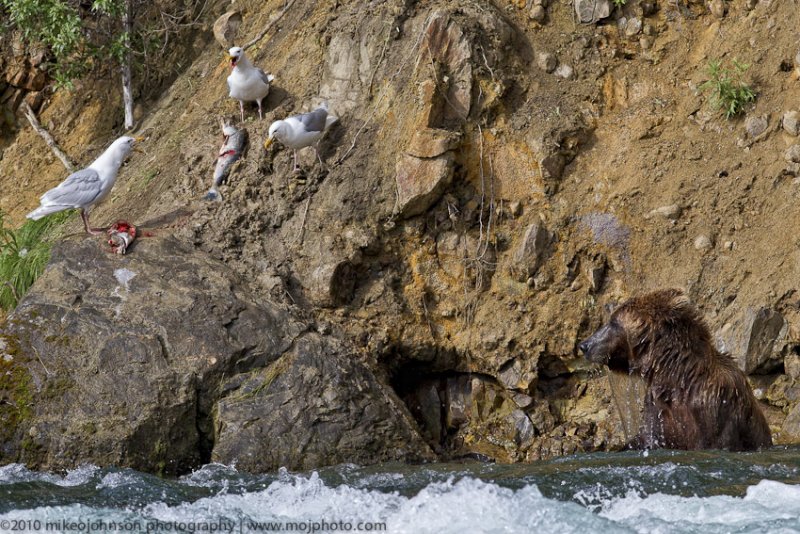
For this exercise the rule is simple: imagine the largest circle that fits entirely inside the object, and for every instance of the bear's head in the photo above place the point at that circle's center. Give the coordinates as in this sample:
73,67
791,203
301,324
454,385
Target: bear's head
661,317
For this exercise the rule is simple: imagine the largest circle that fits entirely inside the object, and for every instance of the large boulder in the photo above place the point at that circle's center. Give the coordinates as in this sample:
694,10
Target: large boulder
316,405
122,360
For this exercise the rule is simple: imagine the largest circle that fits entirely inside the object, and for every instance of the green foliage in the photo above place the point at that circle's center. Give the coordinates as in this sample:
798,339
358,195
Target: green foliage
728,91
61,26
620,3
24,252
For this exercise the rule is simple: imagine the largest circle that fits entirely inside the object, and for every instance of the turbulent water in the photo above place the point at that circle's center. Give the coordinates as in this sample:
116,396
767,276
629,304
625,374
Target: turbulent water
660,491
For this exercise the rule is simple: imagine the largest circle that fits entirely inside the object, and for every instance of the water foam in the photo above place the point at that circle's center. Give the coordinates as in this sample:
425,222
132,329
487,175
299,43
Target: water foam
768,505
458,504
17,473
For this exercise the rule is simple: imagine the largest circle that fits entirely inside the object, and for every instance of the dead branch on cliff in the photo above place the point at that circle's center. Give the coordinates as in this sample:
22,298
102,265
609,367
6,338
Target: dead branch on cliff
269,26
44,134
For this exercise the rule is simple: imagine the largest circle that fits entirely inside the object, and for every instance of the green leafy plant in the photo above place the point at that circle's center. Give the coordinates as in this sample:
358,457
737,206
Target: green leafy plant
729,92
620,3
24,253
58,25
82,36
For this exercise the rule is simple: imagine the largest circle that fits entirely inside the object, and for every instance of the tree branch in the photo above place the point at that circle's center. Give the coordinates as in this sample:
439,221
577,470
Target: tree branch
44,134
127,93
269,26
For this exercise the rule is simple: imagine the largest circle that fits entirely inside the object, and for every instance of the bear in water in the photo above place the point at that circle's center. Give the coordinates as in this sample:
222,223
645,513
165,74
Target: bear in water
696,397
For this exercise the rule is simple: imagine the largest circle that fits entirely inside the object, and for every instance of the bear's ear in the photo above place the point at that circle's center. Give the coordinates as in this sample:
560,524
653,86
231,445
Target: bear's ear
679,299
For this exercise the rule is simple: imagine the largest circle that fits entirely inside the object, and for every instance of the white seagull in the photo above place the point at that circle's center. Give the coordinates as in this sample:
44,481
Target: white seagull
300,131
88,186
246,82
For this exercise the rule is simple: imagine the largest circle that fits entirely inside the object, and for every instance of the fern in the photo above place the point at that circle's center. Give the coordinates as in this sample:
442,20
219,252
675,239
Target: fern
24,253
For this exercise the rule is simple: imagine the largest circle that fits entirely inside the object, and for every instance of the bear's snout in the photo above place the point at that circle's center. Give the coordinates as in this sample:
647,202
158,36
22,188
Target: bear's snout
588,346
598,347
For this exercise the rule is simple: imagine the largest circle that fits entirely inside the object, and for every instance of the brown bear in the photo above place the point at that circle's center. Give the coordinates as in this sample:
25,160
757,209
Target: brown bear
696,397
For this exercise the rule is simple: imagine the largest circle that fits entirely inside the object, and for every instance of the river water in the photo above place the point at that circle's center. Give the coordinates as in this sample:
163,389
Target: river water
648,492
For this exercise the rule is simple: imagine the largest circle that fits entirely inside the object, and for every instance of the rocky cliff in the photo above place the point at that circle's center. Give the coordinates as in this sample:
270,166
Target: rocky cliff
501,171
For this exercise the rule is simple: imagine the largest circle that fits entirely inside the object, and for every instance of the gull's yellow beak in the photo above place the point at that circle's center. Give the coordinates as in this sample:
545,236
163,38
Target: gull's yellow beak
268,142
136,144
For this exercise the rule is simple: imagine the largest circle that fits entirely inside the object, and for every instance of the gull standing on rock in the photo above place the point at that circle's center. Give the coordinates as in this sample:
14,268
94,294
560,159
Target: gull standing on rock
247,83
300,131
88,186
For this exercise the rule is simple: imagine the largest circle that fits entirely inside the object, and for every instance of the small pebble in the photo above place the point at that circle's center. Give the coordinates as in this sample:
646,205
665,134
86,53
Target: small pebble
702,242
546,61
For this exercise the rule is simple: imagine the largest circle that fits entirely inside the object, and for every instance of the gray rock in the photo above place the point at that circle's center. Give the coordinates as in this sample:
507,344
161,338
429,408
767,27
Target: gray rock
633,27
331,284
546,61
596,274
791,123
755,340
315,405
755,126
797,62
790,430
717,8
792,154
447,43
565,71
532,250
433,142
702,242
649,8
459,401
671,211
538,13
121,360
524,432
226,27
421,182
590,11
552,167
517,374
522,400
791,364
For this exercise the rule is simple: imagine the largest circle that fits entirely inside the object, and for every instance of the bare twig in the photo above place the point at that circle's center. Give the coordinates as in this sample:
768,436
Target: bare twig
427,317
380,60
44,134
486,62
299,236
46,370
127,93
355,138
269,26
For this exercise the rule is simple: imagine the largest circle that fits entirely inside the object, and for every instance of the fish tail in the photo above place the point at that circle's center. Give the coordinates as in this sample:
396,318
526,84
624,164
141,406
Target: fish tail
212,194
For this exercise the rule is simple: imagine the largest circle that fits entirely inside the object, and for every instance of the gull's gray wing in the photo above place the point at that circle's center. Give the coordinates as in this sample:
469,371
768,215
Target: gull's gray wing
314,121
79,189
266,78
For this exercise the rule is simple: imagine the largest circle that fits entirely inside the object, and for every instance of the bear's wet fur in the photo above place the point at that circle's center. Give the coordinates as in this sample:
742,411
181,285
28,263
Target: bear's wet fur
697,398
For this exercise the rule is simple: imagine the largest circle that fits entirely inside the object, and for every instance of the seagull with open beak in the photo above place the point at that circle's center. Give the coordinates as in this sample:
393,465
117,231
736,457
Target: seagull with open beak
246,82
